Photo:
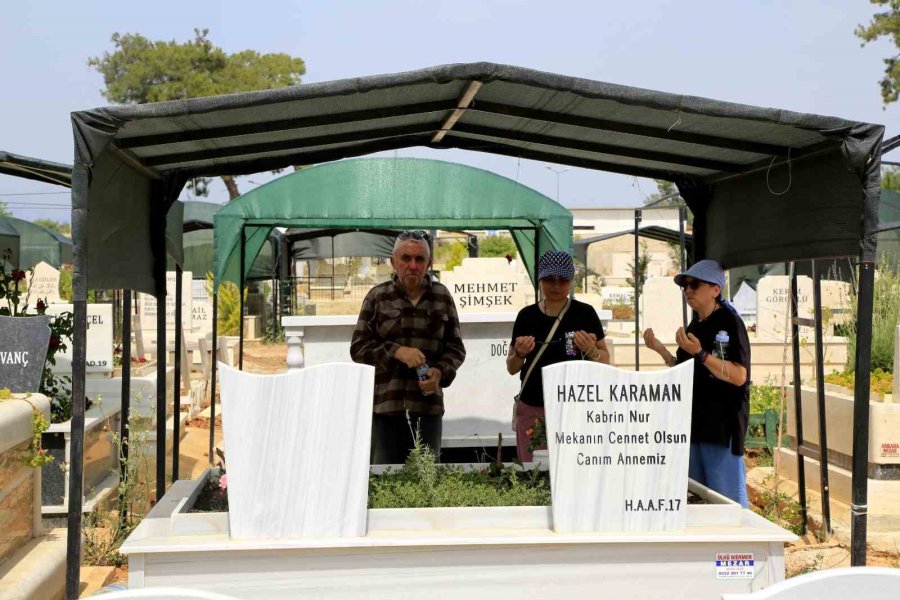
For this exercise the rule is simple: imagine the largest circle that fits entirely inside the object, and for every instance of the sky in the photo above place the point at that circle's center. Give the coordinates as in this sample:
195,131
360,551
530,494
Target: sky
800,56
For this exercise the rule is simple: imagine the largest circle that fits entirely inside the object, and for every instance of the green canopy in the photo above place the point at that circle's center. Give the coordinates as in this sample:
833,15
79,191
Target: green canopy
401,193
38,244
9,242
197,240
889,217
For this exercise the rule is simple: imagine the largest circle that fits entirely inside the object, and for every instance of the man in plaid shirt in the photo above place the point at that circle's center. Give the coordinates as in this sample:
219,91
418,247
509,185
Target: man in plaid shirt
405,323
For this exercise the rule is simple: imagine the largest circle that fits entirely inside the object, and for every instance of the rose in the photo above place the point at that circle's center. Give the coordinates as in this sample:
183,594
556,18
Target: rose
40,306
18,275
54,342
223,481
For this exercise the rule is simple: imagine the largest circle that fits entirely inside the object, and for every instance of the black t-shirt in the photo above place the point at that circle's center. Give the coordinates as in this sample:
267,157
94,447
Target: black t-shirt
720,410
531,321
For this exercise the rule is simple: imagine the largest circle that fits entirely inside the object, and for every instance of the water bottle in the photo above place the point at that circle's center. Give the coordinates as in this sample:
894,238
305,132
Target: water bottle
422,372
721,344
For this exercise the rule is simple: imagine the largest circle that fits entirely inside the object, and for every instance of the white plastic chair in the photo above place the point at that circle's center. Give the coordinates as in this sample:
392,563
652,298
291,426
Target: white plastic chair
859,583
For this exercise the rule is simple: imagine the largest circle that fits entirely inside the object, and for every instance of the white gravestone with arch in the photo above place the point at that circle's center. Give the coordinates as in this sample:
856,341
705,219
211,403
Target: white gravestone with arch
661,301
487,285
773,305
619,444
99,349
44,284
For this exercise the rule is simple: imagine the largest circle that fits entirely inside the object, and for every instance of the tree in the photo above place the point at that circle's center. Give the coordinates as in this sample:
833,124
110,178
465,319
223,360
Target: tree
140,70
57,226
639,272
667,195
4,212
496,246
890,179
885,24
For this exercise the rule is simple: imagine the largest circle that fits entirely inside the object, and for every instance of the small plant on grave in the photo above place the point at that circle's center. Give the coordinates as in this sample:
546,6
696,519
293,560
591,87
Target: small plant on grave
537,435
105,528
782,510
37,456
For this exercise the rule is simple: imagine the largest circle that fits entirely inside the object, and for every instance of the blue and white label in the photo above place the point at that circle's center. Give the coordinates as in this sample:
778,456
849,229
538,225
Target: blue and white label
734,566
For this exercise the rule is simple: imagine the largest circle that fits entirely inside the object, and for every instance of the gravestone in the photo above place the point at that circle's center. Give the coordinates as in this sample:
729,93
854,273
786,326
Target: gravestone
773,306
661,301
148,304
837,306
487,285
99,349
201,308
315,424
617,294
44,284
23,351
619,443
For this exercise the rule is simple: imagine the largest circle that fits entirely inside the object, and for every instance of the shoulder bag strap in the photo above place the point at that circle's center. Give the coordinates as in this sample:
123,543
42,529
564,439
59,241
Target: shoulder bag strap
543,347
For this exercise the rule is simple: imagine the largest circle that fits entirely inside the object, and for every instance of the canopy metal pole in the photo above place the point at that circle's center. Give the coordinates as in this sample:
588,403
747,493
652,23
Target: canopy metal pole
537,258
274,305
161,356
859,501
798,398
124,417
681,240
241,304
212,378
820,393
176,421
332,267
637,292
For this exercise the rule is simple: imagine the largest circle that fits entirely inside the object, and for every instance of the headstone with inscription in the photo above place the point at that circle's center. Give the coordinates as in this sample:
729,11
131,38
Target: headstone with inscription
773,305
44,284
23,351
99,349
487,285
619,444
147,305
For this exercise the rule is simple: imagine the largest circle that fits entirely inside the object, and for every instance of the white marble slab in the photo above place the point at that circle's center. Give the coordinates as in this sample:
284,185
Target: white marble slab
619,445
298,450
488,285
147,305
99,350
43,284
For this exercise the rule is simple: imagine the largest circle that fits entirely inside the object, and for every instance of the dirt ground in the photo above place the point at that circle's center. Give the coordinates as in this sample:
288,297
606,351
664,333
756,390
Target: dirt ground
266,358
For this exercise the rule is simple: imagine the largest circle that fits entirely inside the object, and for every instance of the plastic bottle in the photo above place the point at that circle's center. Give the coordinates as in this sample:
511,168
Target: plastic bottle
721,347
422,372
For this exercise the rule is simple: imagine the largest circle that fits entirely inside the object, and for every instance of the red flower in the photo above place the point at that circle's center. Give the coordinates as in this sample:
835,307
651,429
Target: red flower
18,275
54,342
40,306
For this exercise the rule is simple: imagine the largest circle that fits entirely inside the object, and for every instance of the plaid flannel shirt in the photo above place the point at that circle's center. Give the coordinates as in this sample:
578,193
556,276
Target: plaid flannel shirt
389,320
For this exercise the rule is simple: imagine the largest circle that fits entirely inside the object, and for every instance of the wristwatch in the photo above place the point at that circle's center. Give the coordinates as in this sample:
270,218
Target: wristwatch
701,356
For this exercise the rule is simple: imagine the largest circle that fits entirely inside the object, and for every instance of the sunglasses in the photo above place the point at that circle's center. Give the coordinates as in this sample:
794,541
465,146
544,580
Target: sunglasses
418,235
693,284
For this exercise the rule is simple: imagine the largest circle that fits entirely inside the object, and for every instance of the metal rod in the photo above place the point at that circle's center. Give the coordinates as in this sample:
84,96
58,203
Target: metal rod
176,421
161,356
798,398
859,500
683,266
275,291
212,378
241,304
820,394
637,291
537,258
125,415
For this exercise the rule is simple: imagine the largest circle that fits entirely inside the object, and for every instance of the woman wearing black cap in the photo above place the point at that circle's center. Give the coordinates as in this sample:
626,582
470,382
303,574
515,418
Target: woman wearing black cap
577,335
717,341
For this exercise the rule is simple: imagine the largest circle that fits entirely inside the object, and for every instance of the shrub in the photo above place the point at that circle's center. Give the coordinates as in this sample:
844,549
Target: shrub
885,316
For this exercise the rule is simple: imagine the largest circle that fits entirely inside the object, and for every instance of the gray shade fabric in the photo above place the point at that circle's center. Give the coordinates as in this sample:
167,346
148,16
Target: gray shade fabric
38,244
651,232
316,244
720,154
36,169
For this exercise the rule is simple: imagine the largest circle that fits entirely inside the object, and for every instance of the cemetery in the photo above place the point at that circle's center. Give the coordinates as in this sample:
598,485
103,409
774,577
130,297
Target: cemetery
612,503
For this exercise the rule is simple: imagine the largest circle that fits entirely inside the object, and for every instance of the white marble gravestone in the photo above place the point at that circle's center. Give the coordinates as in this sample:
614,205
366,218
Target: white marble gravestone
298,450
619,443
661,301
99,349
44,284
147,307
773,305
487,285
201,308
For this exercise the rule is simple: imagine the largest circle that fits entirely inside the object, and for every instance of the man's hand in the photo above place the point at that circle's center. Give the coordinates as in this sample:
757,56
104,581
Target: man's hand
687,341
431,385
411,357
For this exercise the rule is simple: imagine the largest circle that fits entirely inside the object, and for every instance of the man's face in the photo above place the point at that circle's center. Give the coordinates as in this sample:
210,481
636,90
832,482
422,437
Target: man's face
410,261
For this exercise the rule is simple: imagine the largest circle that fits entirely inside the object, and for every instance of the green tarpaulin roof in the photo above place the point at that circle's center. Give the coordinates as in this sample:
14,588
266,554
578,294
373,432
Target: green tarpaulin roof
37,243
35,168
401,193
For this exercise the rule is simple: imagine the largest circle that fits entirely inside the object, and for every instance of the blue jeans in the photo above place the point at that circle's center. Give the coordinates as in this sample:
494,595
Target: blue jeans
392,437
718,469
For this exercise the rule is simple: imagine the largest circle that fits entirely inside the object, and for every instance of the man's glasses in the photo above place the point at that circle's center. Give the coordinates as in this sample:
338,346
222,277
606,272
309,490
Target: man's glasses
418,235
693,284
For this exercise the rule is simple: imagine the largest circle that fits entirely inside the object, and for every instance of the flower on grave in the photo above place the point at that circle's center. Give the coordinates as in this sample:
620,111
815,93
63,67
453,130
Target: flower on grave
54,342
223,481
537,435
41,306
18,275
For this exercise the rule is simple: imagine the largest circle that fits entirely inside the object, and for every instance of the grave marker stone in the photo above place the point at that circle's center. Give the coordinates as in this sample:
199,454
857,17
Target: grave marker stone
773,305
23,351
44,284
619,443
99,349
661,301
486,285
148,304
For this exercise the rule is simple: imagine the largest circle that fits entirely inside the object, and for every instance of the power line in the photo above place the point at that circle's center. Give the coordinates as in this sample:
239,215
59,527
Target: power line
33,193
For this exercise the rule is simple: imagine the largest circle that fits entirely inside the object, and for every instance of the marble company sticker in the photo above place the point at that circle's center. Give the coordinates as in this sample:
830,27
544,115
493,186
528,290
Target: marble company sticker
734,566
890,450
